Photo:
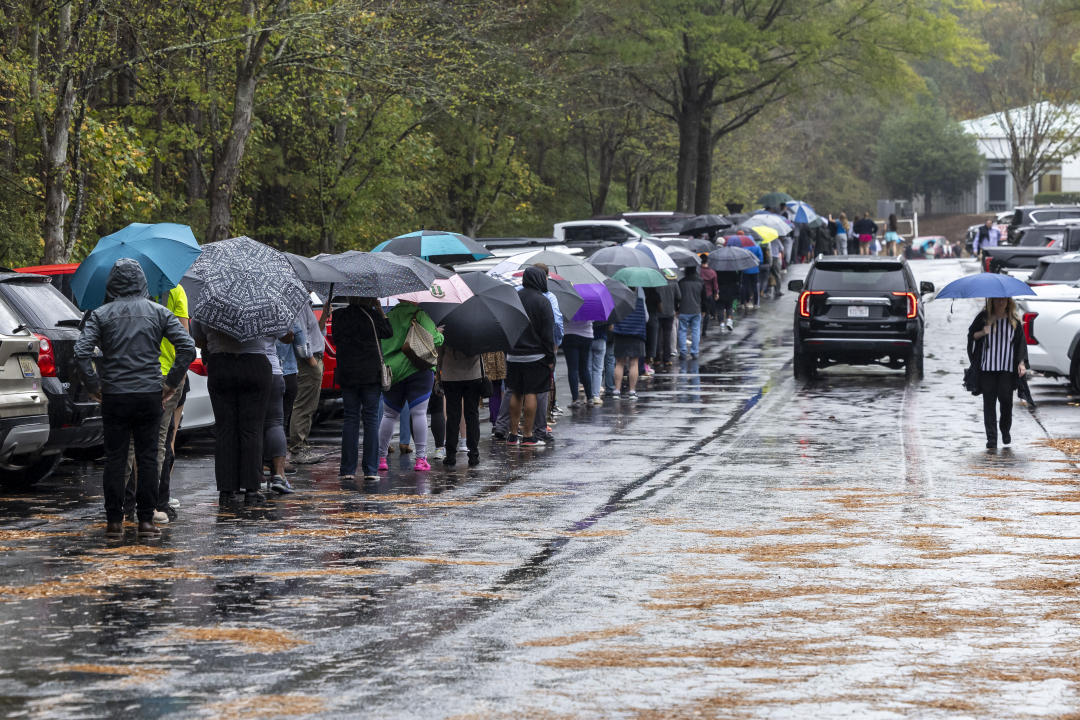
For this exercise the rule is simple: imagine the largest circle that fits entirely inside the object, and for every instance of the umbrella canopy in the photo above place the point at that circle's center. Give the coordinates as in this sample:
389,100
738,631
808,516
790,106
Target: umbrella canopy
802,213
438,246
682,257
742,240
985,285
597,302
249,290
610,260
777,222
625,299
660,259
569,299
731,259
491,320
377,274
164,251
705,224
443,291
640,277
738,218
696,245
573,268
774,199
764,233
315,272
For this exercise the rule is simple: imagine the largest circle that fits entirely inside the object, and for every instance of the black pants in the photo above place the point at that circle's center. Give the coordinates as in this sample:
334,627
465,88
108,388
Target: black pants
438,420
463,393
239,387
997,389
652,338
287,400
667,348
126,418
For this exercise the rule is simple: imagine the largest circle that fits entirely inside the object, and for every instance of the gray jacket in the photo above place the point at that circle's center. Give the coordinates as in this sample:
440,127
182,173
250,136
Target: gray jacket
129,328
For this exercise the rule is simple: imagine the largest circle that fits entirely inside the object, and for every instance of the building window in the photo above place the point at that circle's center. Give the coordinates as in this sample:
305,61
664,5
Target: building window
1051,180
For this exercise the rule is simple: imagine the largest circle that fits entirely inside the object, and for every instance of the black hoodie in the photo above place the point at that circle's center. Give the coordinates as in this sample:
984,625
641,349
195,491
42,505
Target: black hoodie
539,337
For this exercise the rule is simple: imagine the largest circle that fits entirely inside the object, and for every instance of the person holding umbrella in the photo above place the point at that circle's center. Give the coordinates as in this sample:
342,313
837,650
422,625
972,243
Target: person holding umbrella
996,346
529,364
712,293
129,329
358,329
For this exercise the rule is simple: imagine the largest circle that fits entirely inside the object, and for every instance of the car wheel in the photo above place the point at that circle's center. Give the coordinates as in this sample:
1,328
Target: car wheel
804,365
913,366
86,454
38,469
1074,374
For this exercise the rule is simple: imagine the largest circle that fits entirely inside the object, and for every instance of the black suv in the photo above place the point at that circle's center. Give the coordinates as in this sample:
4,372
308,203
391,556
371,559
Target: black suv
1038,214
859,311
74,419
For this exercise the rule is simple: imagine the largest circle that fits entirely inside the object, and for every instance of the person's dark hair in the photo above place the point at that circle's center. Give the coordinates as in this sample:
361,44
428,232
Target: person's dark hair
690,270
542,266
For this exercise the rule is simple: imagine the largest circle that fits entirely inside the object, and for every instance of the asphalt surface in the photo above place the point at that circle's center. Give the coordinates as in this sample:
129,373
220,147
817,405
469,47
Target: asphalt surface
733,544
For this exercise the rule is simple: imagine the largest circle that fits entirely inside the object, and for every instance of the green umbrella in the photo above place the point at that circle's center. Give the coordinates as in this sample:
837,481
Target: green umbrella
774,199
640,277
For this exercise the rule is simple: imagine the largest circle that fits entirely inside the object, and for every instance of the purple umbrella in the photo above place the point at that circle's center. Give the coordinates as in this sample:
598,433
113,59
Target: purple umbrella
598,302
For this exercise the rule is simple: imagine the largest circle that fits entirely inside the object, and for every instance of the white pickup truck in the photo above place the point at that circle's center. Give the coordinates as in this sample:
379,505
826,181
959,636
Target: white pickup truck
1052,328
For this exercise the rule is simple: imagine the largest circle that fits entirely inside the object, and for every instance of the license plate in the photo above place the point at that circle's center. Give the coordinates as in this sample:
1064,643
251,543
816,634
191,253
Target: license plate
27,366
859,311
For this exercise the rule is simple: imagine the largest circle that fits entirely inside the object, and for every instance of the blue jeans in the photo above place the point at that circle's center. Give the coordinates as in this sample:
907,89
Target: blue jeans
576,349
597,353
609,368
691,323
360,402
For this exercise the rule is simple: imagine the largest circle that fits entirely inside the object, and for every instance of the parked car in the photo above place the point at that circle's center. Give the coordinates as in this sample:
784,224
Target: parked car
1051,321
656,223
1001,222
858,310
74,419
1034,242
24,408
1056,270
1025,215
592,235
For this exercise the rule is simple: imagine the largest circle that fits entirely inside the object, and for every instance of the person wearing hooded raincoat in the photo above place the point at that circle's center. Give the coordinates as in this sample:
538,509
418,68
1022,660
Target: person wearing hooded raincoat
127,380
530,363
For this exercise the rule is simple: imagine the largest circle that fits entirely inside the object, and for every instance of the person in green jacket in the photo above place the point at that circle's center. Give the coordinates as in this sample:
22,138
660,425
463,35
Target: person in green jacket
412,383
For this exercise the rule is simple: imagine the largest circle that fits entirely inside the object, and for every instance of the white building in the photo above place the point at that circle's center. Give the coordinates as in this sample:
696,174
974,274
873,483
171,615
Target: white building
995,190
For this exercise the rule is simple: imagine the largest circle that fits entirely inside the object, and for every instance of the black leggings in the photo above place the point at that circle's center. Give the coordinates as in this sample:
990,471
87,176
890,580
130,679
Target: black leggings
997,389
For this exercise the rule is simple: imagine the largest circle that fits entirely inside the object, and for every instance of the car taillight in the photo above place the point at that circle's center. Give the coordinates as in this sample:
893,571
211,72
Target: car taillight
1029,328
198,367
46,360
986,264
912,303
804,301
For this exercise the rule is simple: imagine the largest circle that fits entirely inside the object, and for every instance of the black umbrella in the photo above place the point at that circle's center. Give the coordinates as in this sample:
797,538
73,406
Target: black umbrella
695,245
625,299
610,260
683,257
736,218
313,272
732,259
249,290
705,224
490,321
376,274
1023,391
570,301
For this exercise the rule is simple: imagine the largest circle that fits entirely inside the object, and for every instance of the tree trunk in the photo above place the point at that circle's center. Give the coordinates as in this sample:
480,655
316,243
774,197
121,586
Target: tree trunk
227,164
703,182
54,141
606,170
686,171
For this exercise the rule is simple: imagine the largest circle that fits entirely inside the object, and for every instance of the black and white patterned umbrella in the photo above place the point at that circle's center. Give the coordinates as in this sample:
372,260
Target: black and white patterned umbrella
249,290
377,274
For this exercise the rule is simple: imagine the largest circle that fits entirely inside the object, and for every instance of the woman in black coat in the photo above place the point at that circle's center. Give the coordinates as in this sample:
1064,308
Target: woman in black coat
997,347
356,329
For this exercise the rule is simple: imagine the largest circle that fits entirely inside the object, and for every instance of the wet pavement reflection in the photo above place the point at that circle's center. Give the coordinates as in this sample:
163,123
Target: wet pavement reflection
733,544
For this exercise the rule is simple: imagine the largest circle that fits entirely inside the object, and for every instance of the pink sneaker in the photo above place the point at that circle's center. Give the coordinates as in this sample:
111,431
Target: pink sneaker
421,465
382,465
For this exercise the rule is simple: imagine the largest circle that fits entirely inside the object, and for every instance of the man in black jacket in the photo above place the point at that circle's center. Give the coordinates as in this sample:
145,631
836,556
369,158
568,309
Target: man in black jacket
129,329
530,362
691,300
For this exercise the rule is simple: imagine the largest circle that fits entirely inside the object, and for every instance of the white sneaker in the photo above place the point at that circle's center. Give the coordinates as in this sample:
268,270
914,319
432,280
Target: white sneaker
462,445
597,401
174,502
730,325
616,394
439,453
632,395
160,518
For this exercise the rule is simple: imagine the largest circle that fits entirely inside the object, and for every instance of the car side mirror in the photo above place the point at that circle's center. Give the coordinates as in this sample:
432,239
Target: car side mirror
795,285
925,287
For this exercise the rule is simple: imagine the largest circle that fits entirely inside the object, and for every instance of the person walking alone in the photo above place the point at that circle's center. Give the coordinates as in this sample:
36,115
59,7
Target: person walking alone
996,345
129,329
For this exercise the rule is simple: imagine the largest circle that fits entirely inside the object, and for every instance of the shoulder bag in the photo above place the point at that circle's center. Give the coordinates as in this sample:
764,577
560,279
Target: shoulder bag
386,376
486,388
419,346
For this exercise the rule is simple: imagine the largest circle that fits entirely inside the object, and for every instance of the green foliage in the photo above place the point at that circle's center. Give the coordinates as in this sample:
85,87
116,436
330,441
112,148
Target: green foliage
922,151
1057,198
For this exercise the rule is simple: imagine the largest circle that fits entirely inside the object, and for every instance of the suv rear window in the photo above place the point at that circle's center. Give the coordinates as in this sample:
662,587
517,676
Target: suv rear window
1039,237
858,278
1058,271
8,319
40,302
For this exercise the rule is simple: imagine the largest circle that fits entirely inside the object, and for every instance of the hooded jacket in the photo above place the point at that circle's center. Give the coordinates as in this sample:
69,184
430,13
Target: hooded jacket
539,337
129,329
356,329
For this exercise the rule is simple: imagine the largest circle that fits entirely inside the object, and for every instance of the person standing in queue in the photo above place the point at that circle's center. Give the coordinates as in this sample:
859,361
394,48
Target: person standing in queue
530,362
309,379
358,329
996,345
129,329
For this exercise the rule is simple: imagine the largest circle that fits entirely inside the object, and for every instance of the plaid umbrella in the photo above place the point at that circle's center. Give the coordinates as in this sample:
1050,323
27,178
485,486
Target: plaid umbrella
249,290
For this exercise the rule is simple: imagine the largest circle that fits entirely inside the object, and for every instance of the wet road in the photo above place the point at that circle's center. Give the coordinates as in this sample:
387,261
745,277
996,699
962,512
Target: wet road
734,544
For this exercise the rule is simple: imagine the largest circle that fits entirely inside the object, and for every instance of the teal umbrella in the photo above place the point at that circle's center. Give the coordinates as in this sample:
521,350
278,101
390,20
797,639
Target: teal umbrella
774,199
640,277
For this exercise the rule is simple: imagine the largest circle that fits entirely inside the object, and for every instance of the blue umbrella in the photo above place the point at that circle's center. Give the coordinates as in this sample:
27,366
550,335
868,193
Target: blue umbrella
985,285
164,250
437,246
803,213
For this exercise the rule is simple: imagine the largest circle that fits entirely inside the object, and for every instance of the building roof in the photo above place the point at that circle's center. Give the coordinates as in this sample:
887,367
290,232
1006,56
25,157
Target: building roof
993,125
